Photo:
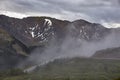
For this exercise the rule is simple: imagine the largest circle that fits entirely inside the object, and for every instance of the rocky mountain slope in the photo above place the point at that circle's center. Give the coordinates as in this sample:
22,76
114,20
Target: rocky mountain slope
111,53
10,51
18,37
34,31
88,31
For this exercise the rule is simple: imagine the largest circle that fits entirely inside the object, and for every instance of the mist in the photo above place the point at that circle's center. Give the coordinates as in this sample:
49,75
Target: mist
72,47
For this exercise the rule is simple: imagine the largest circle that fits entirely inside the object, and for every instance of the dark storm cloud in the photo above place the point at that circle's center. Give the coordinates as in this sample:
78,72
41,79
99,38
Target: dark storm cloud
97,10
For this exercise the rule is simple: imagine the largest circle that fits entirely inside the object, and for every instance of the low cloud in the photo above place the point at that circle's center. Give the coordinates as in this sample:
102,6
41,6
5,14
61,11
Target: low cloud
73,47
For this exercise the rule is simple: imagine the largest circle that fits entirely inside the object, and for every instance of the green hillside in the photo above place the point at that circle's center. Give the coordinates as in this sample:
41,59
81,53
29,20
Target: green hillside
74,69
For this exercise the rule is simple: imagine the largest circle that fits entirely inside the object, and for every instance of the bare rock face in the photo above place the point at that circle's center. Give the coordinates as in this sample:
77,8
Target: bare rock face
89,31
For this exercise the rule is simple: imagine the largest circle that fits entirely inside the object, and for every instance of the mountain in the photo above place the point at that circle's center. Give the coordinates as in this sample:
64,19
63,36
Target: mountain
19,37
89,31
35,31
111,53
10,51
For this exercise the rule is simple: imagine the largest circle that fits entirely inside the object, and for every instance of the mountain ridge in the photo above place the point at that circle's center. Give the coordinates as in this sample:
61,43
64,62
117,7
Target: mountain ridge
38,31
32,32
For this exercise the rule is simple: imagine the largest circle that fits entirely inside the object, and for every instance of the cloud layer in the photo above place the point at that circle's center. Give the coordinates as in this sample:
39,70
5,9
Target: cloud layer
100,11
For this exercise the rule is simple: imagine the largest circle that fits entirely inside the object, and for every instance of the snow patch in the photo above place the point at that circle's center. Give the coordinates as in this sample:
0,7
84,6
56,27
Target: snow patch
32,33
26,32
48,22
32,28
81,31
36,26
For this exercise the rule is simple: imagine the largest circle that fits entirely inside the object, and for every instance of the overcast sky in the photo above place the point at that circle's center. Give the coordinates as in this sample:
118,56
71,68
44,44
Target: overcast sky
106,12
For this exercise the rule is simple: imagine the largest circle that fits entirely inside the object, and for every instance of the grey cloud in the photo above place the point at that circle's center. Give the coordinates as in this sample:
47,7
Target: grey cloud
98,10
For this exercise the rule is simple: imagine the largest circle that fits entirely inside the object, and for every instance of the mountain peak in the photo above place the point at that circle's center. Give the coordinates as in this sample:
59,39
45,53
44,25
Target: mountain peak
37,30
81,21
